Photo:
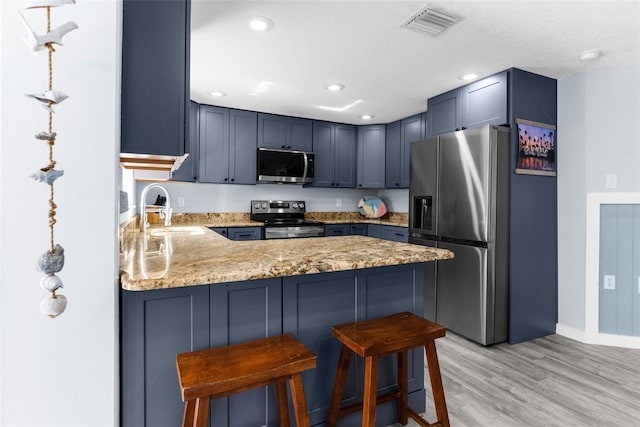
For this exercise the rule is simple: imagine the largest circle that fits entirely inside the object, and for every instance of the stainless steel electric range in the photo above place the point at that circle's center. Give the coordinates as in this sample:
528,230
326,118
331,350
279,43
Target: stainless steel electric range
284,219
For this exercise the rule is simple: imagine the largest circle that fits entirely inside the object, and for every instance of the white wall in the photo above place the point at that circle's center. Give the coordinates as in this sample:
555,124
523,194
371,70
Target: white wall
598,135
60,372
236,198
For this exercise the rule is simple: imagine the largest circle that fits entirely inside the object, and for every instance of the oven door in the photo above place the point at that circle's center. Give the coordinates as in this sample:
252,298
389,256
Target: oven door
292,232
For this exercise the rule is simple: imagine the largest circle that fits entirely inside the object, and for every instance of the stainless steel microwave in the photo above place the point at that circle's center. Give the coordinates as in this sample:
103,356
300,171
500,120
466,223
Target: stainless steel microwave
284,166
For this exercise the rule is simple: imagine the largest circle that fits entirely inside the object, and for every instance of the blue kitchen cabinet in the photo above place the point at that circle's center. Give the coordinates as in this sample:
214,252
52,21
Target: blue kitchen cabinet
359,229
374,230
400,135
155,76
371,156
188,171
336,230
227,145
474,105
240,312
397,234
334,145
285,133
239,233
314,303
155,326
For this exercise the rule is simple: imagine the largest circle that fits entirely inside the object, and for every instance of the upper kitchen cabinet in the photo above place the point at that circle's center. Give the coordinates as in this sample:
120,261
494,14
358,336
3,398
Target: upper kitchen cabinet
400,135
188,171
474,105
227,145
334,145
155,76
285,133
371,156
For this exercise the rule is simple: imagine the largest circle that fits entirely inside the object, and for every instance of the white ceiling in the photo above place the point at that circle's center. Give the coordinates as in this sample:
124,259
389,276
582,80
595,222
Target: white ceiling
390,69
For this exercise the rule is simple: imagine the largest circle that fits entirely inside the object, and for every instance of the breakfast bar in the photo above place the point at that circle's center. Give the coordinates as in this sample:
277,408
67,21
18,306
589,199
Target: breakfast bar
186,288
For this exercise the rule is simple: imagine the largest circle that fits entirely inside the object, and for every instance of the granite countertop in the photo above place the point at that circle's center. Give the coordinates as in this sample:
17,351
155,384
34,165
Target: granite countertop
241,219
188,255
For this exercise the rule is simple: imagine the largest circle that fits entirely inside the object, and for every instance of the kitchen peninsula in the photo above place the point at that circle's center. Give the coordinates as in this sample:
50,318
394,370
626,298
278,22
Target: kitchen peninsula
186,287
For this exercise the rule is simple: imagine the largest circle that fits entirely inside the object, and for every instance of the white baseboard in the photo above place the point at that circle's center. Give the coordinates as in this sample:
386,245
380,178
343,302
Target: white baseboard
611,340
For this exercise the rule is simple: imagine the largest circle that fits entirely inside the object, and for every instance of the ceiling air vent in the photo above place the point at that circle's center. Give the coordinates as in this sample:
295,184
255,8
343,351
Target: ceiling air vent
431,21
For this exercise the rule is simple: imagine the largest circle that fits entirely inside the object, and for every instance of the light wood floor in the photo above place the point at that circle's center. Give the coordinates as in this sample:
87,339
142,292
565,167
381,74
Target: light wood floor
550,381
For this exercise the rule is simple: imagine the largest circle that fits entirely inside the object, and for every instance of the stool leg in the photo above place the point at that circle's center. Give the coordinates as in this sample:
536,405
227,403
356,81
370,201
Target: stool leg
436,383
299,402
283,405
402,388
202,412
338,386
370,386
189,413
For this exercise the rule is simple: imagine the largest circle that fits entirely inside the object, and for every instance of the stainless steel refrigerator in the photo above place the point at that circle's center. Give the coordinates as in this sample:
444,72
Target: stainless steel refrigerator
459,200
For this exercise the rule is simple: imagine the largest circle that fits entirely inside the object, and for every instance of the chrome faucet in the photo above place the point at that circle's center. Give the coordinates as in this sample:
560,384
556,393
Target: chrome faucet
163,211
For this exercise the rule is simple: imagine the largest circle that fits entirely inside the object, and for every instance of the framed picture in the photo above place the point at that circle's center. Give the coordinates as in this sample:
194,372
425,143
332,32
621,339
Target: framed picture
536,148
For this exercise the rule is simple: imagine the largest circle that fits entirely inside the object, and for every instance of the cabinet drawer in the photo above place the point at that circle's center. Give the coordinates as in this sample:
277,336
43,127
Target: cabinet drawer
397,234
245,233
336,230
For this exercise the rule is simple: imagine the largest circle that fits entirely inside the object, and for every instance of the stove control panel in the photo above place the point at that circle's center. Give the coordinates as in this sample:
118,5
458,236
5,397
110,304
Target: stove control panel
277,206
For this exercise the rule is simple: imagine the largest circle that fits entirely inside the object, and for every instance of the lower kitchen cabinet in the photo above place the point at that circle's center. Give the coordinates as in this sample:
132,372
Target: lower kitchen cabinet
397,234
239,233
359,229
240,312
336,230
314,303
156,325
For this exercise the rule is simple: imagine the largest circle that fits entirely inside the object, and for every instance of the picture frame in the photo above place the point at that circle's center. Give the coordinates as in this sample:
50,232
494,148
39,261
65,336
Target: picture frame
537,148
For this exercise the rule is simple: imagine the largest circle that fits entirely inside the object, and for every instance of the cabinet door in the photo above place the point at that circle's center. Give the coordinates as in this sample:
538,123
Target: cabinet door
359,229
245,233
336,230
240,312
344,156
214,144
393,155
155,82
220,230
188,171
243,147
323,149
311,305
374,230
411,130
485,102
155,326
299,134
271,131
444,113
371,156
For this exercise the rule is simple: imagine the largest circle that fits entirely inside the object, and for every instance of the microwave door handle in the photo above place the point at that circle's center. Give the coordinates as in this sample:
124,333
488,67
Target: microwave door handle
306,165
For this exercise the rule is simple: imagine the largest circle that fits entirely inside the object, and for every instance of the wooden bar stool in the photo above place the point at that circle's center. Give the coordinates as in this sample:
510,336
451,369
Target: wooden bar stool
379,337
207,374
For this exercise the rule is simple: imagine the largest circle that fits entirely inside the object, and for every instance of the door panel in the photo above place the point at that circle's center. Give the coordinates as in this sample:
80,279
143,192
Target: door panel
463,181
461,294
422,192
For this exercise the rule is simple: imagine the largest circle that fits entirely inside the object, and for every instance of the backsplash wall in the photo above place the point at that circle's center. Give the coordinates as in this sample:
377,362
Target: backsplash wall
201,198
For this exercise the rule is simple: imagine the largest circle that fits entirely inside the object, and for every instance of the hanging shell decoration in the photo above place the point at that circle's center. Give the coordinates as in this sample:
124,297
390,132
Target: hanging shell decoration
51,261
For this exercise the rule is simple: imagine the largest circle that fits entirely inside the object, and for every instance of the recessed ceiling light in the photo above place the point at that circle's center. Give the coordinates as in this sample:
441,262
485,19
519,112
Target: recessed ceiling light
588,55
335,87
469,76
217,93
261,88
260,23
366,117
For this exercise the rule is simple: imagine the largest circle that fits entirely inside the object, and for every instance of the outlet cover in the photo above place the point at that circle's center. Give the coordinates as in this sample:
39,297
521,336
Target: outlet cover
124,201
338,203
611,181
610,282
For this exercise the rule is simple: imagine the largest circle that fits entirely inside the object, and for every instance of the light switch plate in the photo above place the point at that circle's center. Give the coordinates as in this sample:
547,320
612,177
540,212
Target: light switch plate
611,181
610,282
124,201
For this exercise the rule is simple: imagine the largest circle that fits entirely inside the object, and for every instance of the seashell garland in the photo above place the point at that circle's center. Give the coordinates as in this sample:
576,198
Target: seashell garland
51,261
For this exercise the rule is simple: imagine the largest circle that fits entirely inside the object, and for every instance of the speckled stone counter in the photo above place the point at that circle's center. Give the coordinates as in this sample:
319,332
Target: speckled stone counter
187,255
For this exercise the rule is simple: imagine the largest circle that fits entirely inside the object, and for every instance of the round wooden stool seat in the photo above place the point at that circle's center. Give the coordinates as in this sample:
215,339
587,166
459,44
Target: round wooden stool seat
210,373
373,338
